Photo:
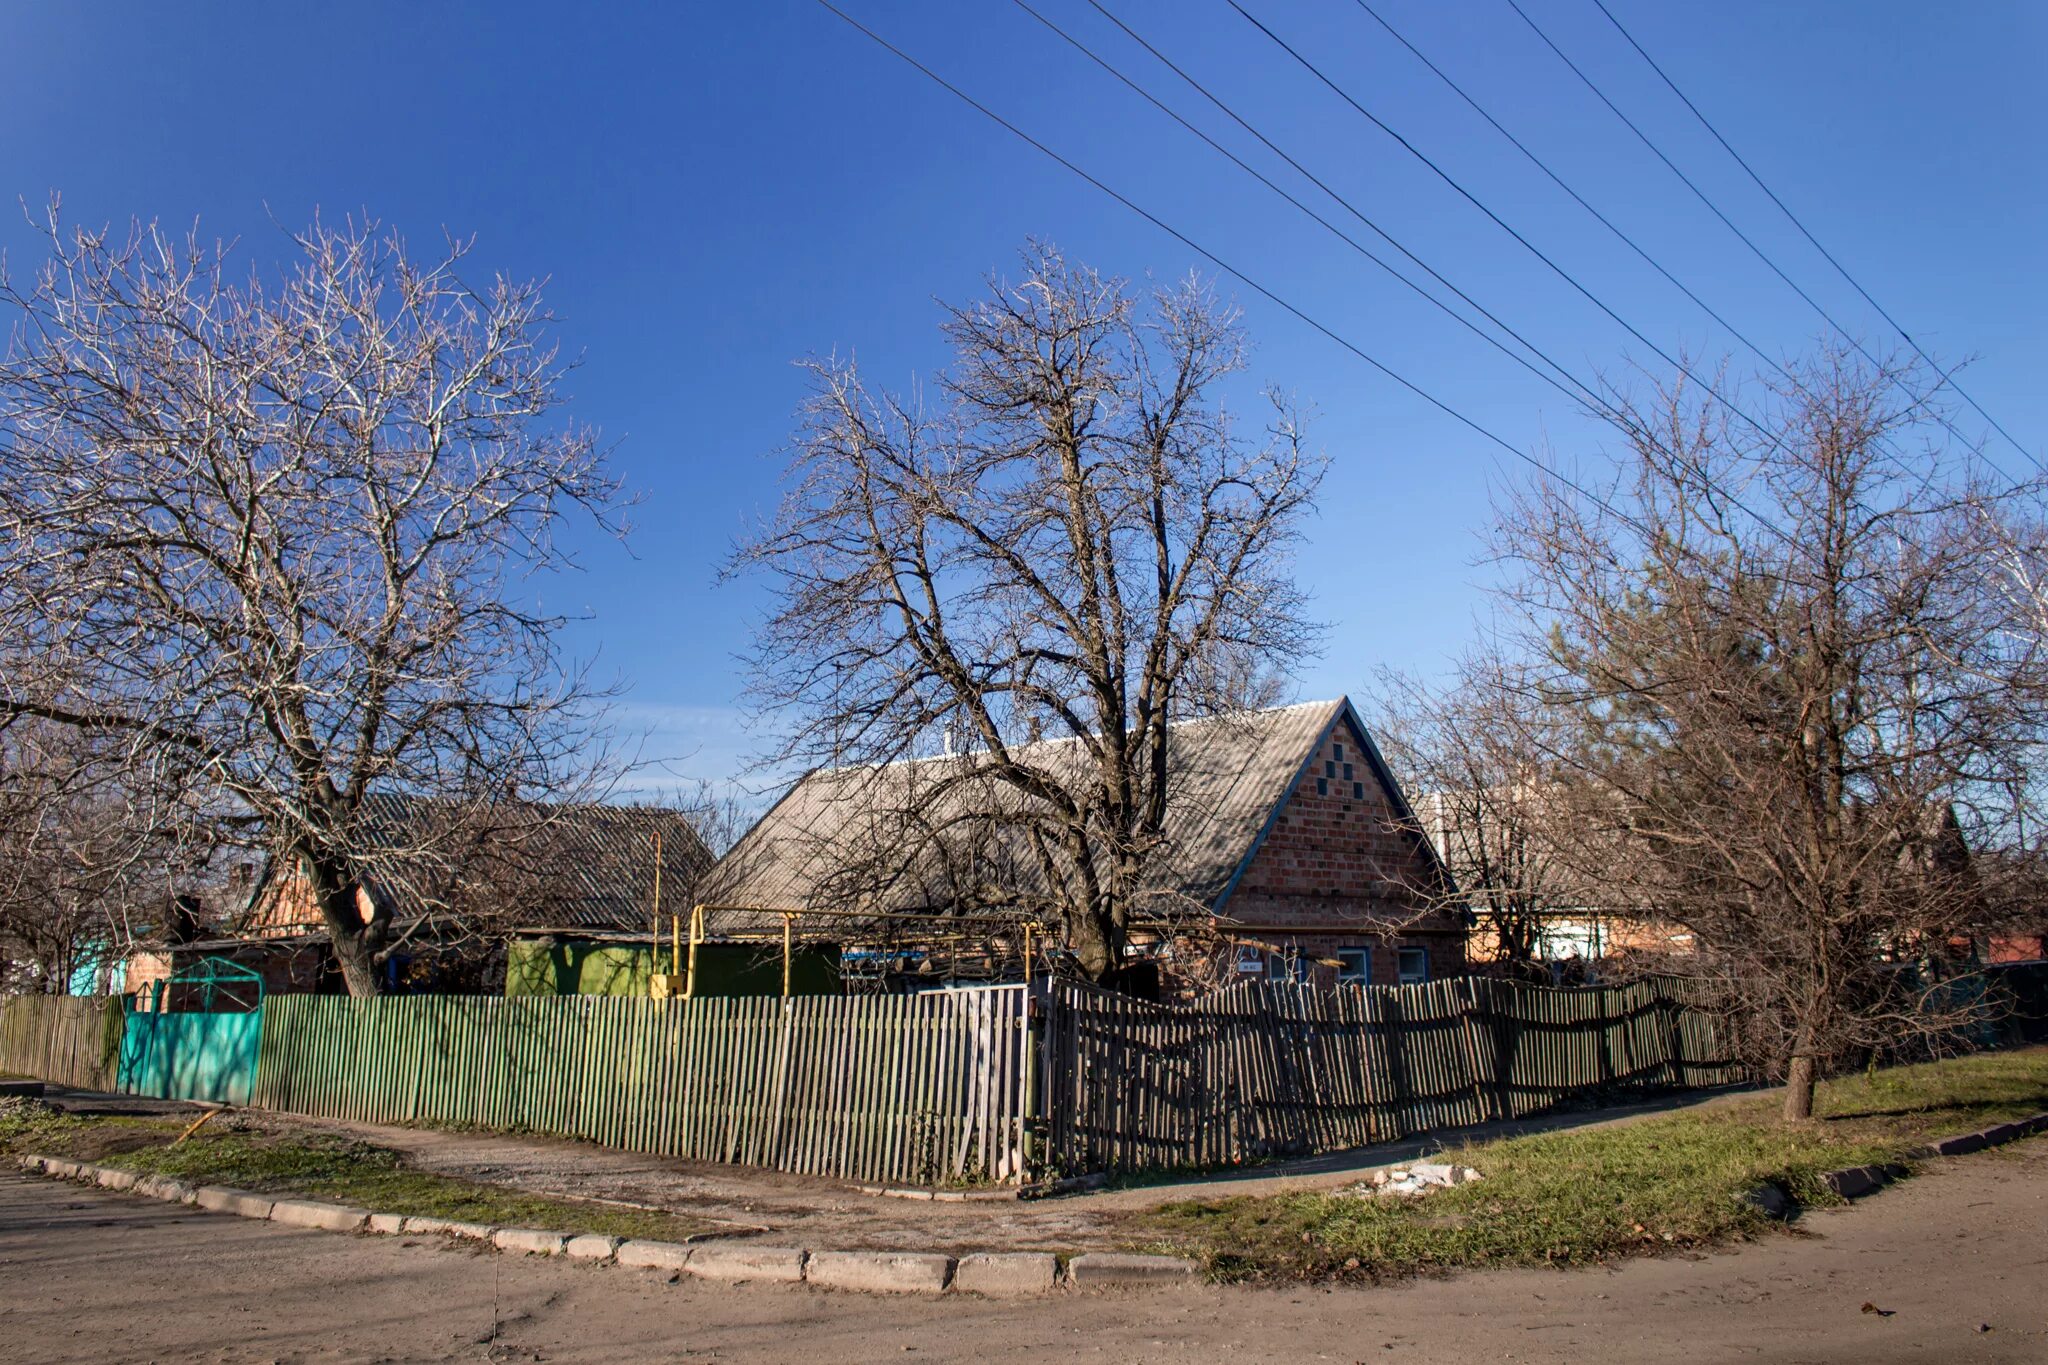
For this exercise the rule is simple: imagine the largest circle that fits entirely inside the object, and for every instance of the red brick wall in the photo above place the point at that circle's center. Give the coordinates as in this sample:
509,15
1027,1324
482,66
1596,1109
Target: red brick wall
1337,871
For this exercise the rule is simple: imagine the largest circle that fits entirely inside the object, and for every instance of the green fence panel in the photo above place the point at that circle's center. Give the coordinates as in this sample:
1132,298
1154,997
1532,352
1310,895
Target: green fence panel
67,1039
192,1056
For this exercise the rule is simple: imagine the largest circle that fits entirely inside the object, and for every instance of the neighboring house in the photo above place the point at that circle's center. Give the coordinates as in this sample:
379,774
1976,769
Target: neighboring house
1590,924
1289,853
468,891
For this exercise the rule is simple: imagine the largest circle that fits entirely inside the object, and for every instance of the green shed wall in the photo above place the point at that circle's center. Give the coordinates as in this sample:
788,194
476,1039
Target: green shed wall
537,967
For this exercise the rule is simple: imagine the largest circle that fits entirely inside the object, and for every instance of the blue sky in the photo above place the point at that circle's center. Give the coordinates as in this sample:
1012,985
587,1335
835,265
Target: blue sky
716,190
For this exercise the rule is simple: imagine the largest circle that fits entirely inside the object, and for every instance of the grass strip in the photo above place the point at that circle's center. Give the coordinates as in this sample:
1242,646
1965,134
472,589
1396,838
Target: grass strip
319,1166
1652,1186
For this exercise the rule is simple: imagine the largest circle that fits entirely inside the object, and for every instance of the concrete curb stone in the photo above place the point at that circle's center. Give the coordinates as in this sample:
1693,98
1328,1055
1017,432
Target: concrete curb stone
111,1178
714,1262
652,1255
591,1247
386,1224
449,1227
1109,1267
243,1203
312,1213
164,1188
532,1241
1005,1273
888,1272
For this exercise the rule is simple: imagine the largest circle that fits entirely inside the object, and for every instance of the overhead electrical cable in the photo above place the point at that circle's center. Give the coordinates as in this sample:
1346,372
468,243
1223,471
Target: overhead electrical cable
1219,263
1680,366
1778,366
1561,183
1827,255
1733,227
1579,391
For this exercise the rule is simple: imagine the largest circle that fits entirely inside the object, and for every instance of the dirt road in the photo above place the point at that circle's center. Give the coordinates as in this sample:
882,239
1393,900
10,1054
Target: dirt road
87,1276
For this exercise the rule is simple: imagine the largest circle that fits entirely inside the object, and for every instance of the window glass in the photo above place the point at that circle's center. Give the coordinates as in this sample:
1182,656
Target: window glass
1414,964
1322,786
1354,966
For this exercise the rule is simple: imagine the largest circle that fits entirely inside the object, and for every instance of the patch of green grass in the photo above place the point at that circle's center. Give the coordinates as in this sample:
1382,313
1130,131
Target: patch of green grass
1575,1198
317,1166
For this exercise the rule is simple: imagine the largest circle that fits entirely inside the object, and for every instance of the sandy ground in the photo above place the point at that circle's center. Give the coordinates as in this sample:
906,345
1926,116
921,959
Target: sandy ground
89,1276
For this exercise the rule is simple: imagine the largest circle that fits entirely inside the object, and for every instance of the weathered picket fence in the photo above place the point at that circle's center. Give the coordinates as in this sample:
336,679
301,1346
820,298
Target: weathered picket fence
1262,1069
69,1039
926,1088
999,1084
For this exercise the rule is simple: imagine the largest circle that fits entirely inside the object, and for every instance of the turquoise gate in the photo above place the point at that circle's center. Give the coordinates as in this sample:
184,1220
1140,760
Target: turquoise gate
175,1052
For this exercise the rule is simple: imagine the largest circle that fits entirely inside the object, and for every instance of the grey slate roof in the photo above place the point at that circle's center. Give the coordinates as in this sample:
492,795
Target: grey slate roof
1226,778
587,865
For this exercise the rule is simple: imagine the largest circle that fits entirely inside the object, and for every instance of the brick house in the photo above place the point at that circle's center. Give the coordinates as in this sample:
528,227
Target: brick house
464,883
1289,853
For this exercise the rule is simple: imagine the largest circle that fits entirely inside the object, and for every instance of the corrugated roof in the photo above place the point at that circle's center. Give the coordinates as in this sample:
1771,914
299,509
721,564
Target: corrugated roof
916,836
586,865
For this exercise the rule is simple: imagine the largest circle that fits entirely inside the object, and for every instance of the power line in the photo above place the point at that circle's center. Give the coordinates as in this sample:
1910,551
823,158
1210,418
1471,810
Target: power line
1585,392
1829,256
1227,268
1503,224
1560,182
1716,210
1582,394
1777,365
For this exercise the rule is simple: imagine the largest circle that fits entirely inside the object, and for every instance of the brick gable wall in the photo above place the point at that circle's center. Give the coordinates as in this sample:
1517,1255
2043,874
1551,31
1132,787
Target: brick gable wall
1335,872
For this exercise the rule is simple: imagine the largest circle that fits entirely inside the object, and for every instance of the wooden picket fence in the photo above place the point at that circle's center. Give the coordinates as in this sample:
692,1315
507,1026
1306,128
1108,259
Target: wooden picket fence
69,1039
1264,1069
922,1088
999,1084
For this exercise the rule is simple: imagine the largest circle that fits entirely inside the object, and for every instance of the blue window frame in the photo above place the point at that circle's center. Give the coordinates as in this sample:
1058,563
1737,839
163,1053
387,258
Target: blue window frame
1354,966
1414,966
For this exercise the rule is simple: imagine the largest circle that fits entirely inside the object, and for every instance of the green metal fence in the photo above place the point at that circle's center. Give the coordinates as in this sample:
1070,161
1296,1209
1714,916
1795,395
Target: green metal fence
191,1056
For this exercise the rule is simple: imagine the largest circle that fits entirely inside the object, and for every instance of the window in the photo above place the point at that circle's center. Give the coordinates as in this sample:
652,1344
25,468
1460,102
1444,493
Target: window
1414,963
1330,768
1358,791
1347,772
1340,753
1354,966
1288,966
1322,786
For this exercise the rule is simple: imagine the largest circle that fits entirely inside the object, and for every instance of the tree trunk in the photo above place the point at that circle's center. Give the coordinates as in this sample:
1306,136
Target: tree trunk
1098,943
1799,1081
355,942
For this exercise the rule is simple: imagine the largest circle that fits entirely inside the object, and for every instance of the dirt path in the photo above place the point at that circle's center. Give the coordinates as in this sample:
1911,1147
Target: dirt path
826,1213
88,1277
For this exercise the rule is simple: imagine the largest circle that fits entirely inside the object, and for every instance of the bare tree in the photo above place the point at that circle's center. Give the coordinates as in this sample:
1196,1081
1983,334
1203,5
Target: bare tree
268,530
93,855
1794,700
1078,543
1497,808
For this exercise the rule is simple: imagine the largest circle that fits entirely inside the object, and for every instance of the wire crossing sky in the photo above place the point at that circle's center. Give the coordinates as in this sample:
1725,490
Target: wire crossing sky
716,191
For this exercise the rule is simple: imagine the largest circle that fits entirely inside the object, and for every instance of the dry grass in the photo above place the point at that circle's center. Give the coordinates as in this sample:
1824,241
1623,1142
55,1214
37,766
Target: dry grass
1576,1198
